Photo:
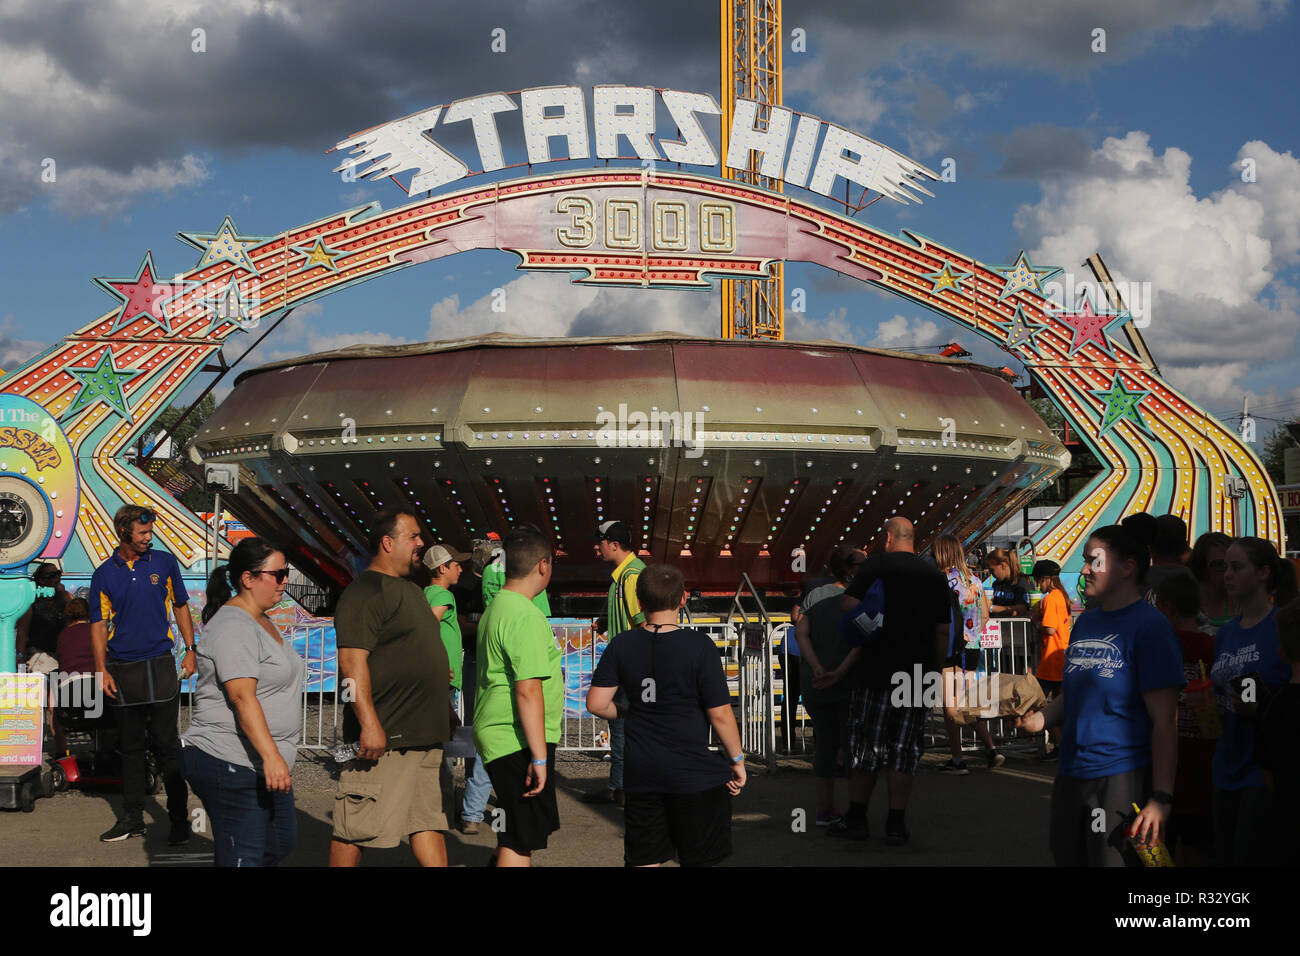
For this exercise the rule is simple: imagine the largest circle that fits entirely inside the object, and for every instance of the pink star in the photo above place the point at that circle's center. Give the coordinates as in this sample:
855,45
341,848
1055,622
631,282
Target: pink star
1089,326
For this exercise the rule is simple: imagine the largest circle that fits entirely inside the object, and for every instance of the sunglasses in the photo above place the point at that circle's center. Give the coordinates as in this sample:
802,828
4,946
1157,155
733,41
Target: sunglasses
279,574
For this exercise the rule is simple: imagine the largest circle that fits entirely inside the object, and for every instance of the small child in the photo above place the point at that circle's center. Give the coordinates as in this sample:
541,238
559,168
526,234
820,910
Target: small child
1277,746
1178,598
677,791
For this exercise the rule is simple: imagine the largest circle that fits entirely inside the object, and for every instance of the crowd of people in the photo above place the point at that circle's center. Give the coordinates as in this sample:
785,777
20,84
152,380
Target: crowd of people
1172,713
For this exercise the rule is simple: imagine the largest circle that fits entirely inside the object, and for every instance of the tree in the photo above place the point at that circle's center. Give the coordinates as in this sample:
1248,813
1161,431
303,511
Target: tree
1274,451
195,498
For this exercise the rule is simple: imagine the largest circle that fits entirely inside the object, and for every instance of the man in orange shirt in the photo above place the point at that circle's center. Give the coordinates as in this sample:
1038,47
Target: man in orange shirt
1053,614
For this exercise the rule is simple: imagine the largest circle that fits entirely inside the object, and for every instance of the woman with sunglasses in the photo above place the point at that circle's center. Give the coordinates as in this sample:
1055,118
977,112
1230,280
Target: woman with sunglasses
243,738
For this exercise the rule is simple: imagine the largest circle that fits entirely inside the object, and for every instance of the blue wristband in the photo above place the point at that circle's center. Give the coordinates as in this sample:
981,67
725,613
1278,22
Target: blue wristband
539,763
738,759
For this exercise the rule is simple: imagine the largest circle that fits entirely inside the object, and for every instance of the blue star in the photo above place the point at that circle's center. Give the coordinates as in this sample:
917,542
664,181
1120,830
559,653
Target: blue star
1022,276
224,245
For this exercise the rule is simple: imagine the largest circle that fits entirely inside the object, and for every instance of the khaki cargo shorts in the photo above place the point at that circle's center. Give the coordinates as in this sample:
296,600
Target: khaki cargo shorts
379,803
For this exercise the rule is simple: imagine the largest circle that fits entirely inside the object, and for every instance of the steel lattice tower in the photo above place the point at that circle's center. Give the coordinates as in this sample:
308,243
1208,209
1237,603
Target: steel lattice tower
751,68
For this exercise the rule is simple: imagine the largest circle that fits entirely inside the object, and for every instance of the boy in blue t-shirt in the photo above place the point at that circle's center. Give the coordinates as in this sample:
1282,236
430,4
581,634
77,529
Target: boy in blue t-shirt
677,791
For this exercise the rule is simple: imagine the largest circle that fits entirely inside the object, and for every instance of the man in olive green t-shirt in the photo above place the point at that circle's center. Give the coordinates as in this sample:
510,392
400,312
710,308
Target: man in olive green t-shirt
519,704
394,667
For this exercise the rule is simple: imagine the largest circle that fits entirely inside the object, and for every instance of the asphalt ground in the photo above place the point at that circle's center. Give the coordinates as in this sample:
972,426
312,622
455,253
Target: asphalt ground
989,818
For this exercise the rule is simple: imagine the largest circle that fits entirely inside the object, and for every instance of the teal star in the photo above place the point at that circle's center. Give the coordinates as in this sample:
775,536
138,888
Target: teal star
224,245
1022,275
1022,332
946,278
1121,403
103,383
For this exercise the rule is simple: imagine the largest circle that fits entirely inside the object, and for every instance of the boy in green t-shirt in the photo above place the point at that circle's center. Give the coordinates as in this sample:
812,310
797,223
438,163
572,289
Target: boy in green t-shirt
519,704
444,565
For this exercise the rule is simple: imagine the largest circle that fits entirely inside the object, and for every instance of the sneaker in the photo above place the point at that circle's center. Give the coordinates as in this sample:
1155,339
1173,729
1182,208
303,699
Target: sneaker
954,769
843,830
896,835
996,759
827,818
468,827
179,834
122,830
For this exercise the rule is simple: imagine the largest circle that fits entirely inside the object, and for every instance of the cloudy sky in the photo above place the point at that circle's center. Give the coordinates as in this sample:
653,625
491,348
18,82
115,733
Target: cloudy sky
1059,149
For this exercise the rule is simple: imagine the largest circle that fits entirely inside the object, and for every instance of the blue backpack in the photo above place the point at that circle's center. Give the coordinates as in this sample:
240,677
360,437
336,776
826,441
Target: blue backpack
866,622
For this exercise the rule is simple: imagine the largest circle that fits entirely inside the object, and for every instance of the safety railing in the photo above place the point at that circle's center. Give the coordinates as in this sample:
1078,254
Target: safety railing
1018,654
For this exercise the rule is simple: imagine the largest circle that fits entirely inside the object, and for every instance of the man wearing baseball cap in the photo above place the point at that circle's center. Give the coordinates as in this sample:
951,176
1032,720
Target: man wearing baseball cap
614,541
444,564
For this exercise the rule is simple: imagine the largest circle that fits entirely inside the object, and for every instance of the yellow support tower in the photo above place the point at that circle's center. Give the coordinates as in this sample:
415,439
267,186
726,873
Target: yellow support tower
751,68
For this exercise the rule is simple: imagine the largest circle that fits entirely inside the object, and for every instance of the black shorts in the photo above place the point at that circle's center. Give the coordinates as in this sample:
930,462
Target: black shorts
1050,687
694,827
526,821
967,658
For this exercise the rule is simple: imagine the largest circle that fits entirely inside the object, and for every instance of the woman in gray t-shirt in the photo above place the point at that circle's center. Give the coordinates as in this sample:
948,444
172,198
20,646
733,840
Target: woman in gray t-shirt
243,738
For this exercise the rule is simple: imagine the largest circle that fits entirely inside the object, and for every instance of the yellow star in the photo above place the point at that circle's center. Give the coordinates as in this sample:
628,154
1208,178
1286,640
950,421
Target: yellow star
319,255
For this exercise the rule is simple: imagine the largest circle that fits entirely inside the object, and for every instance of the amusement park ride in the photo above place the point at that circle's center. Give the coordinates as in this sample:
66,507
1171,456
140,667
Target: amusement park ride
791,445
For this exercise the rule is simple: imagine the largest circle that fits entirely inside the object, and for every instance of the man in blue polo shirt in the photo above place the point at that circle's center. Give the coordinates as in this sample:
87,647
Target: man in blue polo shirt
134,593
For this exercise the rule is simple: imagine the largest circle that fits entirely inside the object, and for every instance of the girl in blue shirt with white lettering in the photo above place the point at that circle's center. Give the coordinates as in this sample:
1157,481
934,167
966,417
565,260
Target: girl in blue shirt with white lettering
1119,710
1247,668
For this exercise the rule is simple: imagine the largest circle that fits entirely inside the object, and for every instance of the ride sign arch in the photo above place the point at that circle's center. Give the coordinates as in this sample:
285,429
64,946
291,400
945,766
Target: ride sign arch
651,226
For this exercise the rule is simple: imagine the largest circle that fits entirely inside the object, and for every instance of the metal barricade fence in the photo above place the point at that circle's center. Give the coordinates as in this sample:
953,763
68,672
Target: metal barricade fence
1018,654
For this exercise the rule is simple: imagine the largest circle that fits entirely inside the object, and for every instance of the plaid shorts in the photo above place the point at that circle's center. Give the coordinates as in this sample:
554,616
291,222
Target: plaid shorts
882,736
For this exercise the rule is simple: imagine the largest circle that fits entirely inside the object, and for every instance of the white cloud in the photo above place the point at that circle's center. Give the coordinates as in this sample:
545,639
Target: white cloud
1214,262
549,305
902,332
95,191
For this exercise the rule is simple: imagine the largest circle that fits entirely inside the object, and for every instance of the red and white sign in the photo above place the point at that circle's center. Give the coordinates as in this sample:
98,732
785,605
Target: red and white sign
992,636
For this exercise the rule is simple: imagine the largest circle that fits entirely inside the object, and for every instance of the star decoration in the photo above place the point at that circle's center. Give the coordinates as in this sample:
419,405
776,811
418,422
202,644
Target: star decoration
319,255
1121,404
1022,331
1022,276
224,245
946,278
231,306
140,297
103,382
1090,326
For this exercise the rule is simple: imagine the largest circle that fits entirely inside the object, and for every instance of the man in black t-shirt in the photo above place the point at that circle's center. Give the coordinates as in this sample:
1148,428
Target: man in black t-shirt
886,713
677,791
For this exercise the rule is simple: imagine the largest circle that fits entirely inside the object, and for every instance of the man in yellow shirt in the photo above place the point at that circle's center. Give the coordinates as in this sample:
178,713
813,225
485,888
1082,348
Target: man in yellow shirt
614,541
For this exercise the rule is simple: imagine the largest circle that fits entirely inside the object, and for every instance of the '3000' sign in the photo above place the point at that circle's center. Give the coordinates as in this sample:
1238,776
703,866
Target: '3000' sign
620,224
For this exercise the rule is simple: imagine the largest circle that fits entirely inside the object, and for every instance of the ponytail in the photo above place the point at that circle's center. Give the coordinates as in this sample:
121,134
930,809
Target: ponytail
248,555
219,592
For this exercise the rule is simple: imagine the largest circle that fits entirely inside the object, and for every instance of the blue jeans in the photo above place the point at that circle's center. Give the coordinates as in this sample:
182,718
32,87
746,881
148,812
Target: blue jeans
251,826
477,788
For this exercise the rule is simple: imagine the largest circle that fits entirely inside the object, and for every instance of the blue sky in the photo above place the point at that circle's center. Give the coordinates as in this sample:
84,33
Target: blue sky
1134,152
